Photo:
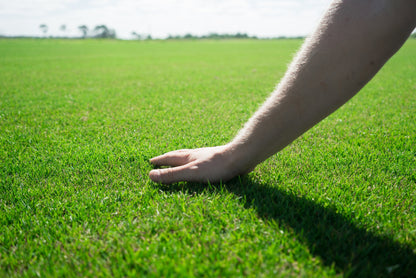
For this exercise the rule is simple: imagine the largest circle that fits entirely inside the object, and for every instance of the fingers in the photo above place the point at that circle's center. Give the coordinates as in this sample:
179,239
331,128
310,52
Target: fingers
172,175
174,158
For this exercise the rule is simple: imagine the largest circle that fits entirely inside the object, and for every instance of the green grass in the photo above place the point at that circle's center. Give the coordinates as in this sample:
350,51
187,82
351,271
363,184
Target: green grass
79,121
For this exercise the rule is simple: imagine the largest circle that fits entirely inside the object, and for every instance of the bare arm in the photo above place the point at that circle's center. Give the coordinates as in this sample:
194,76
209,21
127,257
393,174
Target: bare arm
353,41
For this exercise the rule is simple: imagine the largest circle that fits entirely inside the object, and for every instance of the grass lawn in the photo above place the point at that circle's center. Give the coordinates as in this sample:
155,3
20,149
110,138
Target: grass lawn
79,120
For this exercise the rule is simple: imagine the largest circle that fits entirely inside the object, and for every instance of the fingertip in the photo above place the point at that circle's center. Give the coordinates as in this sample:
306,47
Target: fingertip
154,175
154,158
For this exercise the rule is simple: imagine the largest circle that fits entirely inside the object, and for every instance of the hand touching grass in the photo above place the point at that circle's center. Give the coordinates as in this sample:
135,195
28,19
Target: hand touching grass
212,164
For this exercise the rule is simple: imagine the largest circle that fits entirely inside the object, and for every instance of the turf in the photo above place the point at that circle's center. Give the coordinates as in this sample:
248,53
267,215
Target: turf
79,120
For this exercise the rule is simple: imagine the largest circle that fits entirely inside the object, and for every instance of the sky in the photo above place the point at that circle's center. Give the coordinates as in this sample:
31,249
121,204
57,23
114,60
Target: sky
160,18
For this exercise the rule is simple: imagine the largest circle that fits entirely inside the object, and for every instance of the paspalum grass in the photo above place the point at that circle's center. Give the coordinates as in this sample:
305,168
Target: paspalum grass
80,119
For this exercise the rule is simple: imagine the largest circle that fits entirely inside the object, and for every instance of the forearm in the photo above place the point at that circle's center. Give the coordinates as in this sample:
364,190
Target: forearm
353,41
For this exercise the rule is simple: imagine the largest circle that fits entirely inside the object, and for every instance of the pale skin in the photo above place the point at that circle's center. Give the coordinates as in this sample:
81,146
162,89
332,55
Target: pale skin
353,40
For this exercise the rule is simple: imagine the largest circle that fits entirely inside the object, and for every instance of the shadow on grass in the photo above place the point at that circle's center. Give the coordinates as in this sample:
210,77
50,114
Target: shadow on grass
330,235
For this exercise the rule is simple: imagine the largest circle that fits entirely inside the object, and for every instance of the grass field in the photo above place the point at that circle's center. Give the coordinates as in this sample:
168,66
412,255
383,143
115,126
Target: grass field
79,120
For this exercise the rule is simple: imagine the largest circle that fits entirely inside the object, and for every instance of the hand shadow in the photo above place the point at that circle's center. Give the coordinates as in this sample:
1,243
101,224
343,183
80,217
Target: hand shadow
329,235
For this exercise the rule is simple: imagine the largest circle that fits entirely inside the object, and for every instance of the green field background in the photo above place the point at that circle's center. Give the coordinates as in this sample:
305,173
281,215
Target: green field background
79,120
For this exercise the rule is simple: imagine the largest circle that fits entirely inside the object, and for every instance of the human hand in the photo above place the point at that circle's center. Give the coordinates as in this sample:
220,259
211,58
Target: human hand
206,165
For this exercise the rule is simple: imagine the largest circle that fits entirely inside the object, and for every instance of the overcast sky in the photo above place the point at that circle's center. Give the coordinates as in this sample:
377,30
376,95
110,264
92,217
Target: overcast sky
264,18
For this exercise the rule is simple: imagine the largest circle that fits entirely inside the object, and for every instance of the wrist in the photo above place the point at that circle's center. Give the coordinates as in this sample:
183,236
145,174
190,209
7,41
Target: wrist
240,158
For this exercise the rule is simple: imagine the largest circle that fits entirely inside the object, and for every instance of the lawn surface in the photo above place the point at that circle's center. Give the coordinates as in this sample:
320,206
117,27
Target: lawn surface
79,120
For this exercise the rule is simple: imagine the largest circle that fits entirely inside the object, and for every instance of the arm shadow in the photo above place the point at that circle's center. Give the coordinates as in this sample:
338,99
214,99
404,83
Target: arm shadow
354,251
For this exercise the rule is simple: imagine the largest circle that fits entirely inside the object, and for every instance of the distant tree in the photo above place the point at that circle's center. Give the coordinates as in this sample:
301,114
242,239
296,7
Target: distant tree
44,28
241,36
102,31
149,37
189,36
63,28
84,30
135,35
174,37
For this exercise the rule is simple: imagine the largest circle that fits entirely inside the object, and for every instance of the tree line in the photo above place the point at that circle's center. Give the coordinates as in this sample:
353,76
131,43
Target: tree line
99,31
102,31
213,36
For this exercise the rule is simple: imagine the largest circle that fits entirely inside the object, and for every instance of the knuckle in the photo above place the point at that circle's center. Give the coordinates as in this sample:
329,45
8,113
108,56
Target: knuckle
187,157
